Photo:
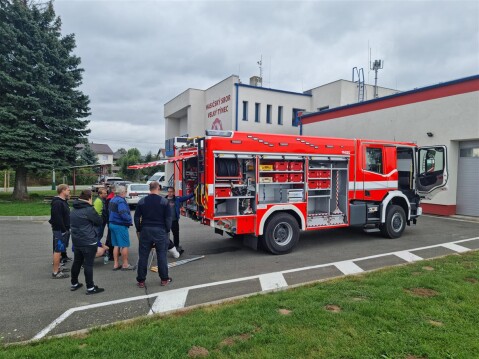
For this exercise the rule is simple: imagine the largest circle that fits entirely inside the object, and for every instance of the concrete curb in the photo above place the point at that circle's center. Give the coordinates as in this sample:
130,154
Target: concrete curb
24,218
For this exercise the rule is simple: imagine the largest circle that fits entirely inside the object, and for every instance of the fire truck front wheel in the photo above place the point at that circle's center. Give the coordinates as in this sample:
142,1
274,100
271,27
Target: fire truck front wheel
395,222
281,233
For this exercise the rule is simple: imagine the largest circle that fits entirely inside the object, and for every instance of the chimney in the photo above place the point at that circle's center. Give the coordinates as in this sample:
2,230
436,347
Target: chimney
256,81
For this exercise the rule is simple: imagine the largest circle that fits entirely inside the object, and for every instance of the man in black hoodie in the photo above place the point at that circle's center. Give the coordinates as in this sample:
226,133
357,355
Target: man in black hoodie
84,220
60,222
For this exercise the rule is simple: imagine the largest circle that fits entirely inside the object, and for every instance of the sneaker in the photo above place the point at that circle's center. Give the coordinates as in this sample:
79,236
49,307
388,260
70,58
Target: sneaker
94,290
180,250
59,275
63,269
165,282
130,267
74,287
65,259
141,284
174,253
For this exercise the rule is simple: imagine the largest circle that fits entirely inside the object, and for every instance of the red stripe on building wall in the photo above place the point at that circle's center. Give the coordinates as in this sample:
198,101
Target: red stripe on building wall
439,209
397,100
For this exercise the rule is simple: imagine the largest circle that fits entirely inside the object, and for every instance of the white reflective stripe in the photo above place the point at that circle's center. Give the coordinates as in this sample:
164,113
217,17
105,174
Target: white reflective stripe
277,207
371,185
408,256
348,267
383,175
388,198
272,281
171,300
455,247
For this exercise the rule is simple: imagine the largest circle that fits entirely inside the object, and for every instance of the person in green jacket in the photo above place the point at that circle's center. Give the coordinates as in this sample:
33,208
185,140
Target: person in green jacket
101,208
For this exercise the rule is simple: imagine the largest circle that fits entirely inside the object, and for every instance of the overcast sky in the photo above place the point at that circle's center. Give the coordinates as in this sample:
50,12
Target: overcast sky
138,54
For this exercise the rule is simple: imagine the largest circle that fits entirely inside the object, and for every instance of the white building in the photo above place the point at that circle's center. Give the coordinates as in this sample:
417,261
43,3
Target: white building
232,105
449,111
443,114
103,152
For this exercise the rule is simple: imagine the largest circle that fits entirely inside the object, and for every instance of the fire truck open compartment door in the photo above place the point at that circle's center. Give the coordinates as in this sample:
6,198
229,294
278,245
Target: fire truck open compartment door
431,174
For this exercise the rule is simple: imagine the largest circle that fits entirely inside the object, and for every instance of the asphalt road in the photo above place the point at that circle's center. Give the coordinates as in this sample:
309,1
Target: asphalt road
34,305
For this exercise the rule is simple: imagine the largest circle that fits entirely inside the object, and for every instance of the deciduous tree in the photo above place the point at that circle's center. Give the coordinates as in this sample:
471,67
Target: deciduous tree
133,156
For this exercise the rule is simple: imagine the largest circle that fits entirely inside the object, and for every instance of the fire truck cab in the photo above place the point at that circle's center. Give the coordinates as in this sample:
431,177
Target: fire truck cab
269,187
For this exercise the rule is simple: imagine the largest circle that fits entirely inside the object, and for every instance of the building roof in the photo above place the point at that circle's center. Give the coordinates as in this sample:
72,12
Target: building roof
117,155
98,148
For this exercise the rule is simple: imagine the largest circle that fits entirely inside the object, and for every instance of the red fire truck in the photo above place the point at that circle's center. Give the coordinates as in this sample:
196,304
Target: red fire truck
268,187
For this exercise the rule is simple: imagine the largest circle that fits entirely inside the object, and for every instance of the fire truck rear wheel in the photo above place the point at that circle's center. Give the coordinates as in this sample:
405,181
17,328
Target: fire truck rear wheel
281,233
395,222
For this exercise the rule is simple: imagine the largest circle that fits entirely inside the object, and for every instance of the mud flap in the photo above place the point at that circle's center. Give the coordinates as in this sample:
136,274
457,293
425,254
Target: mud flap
250,241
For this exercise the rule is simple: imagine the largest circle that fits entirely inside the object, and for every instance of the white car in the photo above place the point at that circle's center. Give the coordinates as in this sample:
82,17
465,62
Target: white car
159,177
136,191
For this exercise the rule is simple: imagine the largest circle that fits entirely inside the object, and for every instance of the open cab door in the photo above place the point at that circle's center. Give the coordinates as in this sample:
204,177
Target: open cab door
431,173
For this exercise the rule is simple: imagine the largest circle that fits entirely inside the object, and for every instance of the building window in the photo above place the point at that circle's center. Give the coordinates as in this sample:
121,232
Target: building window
245,110
268,113
469,152
257,108
280,115
294,120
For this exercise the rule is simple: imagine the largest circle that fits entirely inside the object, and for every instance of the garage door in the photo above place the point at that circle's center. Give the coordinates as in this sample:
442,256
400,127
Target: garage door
468,179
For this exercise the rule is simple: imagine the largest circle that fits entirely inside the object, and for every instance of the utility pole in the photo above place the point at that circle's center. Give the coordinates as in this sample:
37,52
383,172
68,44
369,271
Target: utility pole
53,180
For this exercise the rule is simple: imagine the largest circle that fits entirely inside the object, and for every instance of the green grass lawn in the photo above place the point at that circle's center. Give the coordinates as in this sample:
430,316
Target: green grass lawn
34,206
428,309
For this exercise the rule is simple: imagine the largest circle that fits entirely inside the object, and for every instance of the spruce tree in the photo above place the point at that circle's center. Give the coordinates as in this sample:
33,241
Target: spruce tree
42,111
87,156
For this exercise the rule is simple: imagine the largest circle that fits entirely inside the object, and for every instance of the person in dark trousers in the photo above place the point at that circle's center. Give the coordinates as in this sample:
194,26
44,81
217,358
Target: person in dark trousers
153,222
84,220
175,203
60,222
111,194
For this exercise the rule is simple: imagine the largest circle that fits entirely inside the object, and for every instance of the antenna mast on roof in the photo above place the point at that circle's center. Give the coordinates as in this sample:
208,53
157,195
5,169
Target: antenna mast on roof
260,63
376,65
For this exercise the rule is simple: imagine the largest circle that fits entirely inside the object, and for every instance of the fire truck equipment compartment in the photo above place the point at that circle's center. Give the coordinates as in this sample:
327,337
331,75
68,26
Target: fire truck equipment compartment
227,168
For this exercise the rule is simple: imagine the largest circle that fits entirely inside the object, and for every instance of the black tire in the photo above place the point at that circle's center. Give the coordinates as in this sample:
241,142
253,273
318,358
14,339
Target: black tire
281,233
395,222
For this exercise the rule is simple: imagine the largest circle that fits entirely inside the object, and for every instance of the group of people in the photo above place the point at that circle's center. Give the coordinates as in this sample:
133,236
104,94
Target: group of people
154,218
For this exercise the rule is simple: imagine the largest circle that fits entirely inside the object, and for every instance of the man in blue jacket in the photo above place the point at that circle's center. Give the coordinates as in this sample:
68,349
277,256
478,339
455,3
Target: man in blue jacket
119,222
83,222
175,203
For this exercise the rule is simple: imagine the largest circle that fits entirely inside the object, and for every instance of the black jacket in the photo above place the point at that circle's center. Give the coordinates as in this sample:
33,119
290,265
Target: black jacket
83,221
153,211
60,215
